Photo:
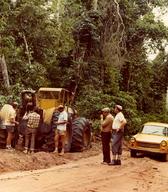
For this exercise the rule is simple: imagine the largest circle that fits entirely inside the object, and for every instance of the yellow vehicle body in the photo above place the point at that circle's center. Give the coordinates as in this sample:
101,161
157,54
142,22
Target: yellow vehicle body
153,138
52,97
48,99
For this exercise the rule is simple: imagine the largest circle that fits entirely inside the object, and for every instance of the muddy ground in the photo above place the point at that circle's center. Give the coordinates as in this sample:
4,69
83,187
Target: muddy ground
82,172
18,161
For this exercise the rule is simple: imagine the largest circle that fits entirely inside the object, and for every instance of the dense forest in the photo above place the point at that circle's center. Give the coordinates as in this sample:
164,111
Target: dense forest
96,48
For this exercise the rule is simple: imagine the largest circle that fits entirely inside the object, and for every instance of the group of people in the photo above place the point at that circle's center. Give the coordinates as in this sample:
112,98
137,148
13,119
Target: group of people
112,128
9,122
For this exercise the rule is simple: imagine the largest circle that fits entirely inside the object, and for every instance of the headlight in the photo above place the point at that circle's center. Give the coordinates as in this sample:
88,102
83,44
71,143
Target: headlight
132,140
163,143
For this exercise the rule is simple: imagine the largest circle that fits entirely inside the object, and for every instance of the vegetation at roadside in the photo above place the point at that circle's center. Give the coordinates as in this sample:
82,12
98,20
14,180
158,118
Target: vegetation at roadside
95,48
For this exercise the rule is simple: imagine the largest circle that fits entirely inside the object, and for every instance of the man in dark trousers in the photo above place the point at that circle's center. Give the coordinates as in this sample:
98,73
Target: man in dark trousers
106,129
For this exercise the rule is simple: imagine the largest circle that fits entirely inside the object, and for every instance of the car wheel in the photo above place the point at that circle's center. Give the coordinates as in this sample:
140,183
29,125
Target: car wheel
133,153
165,157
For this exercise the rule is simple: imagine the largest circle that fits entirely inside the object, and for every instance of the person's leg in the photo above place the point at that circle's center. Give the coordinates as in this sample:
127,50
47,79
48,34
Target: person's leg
120,136
103,145
63,136
27,138
108,158
9,139
32,144
56,140
10,130
116,147
106,137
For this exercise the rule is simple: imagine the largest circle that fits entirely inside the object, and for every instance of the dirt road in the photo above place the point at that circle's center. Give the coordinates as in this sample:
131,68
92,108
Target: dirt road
88,175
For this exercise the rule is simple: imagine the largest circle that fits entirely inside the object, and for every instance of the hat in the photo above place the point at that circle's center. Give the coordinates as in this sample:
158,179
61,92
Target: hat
106,109
60,107
15,104
119,107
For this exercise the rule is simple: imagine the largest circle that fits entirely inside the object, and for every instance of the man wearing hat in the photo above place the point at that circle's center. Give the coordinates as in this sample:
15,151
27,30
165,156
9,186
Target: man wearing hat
60,131
118,132
106,128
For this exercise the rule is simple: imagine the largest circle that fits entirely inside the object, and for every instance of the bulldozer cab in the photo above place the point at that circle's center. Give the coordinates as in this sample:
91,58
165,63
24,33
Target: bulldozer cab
27,96
52,97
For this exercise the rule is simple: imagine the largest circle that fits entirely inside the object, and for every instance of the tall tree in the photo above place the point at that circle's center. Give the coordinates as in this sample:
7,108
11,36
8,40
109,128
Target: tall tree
140,26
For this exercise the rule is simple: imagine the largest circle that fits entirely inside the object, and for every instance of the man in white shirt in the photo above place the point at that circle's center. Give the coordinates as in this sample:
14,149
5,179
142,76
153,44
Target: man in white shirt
60,130
8,115
118,132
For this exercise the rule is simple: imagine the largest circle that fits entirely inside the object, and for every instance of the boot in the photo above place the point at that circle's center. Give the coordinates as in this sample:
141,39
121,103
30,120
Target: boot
114,162
118,162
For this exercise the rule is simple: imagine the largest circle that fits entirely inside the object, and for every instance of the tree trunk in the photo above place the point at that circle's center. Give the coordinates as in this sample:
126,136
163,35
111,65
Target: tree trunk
58,10
4,72
27,49
95,4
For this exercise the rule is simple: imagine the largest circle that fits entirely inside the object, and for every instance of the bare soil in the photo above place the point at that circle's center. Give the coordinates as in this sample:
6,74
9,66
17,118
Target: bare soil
74,172
18,161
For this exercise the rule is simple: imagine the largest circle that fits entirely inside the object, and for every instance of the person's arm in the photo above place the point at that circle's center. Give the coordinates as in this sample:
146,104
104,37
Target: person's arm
123,123
105,122
64,121
101,122
12,119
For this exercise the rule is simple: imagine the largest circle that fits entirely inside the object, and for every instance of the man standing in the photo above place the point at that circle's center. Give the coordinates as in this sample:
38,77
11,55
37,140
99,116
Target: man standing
33,120
60,131
106,128
8,115
117,132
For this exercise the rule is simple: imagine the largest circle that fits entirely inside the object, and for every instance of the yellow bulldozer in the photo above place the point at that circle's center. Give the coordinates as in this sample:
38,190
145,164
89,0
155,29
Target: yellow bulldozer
47,100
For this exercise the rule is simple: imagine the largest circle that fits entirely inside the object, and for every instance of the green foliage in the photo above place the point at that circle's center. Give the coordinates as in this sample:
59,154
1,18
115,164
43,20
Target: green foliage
96,126
142,28
99,54
91,101
163,117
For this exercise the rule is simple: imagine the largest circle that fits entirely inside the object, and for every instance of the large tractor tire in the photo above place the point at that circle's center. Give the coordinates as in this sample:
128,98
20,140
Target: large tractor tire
68,139
3,135
81,134
45,142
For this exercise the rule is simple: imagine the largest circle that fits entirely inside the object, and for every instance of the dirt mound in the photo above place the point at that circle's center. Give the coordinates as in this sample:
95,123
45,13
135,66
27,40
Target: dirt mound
18,161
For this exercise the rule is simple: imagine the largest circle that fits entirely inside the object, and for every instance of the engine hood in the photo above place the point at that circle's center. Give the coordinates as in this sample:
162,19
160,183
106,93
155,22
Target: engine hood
150,138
